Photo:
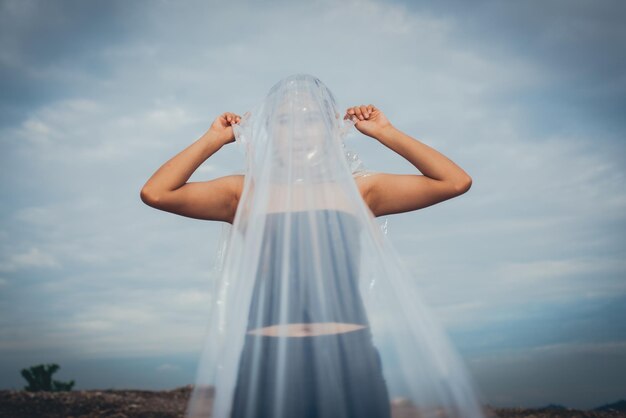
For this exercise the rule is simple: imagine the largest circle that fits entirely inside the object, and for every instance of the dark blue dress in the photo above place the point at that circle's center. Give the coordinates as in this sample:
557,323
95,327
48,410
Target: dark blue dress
322,376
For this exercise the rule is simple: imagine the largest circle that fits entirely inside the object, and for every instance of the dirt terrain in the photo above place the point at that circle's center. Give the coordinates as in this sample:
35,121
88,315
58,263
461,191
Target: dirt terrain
171,403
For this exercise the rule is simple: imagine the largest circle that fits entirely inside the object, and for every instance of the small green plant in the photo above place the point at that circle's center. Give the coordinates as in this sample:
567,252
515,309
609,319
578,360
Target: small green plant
39,378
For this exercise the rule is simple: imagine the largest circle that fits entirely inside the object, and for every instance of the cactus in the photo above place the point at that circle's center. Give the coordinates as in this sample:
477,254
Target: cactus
39,378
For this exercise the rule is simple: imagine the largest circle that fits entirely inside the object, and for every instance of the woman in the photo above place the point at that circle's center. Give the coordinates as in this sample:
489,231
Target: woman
308,347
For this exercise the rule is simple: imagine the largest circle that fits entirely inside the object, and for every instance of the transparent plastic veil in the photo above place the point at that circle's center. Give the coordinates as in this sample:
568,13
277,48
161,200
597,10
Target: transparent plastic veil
313,312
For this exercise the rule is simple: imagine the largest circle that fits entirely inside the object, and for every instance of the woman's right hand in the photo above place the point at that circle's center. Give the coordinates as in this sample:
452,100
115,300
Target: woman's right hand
222,127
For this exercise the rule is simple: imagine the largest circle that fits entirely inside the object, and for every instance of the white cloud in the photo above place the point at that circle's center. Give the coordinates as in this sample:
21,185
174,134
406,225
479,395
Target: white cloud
85,131
31,258
558,350
34,215
207,168
539,271
167,367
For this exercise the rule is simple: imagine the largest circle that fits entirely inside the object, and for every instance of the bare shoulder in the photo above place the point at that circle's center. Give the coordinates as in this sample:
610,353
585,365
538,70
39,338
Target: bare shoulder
364,184
237,182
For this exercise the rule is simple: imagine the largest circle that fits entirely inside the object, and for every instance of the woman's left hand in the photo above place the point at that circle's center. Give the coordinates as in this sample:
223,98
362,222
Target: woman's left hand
368,119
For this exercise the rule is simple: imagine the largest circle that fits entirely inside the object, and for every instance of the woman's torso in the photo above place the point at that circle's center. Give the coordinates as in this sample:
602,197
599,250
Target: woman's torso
307,283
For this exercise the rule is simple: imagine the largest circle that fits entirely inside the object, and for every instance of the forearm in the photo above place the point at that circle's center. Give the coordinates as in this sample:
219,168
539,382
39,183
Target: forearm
427,160
175,172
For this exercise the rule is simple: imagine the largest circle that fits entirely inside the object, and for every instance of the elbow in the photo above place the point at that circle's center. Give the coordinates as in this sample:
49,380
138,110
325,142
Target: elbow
148,197
461,187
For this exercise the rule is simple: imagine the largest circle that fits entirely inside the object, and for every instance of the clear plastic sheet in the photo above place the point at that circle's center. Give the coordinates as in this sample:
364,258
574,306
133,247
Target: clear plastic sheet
314,314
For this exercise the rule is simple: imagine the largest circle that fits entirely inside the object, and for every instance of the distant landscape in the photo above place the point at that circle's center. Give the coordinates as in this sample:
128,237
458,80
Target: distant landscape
171,403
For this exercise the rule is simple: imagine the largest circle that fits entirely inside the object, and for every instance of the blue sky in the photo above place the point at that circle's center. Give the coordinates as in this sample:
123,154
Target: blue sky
526,270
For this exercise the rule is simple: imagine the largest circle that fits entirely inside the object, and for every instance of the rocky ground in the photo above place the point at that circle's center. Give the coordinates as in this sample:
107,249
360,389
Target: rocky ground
171,403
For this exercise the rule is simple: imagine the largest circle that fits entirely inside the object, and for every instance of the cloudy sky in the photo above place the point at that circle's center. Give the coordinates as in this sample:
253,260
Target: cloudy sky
527,270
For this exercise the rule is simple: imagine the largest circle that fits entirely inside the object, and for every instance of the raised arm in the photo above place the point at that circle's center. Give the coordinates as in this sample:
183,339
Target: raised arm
386,193
217,199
